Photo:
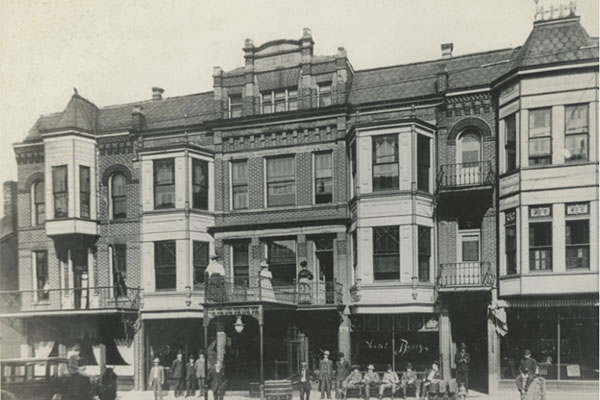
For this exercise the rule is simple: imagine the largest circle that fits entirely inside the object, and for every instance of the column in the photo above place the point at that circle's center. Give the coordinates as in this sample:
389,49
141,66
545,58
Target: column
493,354
139,374
344,337
445,339
221,341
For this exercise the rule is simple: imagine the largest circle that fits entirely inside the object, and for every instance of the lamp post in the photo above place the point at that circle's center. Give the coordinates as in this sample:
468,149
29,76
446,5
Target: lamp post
239,325
414,286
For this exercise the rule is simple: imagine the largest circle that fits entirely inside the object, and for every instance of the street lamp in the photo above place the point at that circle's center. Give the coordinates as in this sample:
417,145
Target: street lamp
239,325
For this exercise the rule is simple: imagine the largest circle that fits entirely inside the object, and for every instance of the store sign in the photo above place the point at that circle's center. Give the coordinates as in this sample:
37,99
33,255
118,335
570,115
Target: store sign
540,211
403,346
578,209
573,371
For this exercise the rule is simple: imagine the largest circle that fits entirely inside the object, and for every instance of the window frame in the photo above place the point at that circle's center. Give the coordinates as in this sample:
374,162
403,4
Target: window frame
159,269
424,252
41,295
199,265
200,191
423,163
324,94
531,139
465,234
510,222
536,221
156,185
280,181
37,205
64,192
235,109
118,256
386,254
395,182
289,100
237,185
577,213
583,132
318,180
275,266
122,199
85,190
236,246
510,146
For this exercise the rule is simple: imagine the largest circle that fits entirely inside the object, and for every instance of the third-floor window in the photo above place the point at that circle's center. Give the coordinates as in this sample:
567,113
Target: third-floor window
576,133
60,191
279,100
84,191
386,253
199,184
325,96
540,136
423,163
164,183
234,106
323,178
239,184
281,181
385,162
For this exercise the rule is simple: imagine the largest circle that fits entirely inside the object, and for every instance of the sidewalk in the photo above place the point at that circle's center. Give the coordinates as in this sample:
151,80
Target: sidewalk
314,395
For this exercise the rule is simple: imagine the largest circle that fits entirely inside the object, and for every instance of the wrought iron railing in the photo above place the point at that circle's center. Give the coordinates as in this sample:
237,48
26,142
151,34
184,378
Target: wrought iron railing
259,289
466,274
93,298
465,174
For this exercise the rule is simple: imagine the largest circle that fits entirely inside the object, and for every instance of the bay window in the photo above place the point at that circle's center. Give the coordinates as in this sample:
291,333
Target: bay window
200,260
60,192
540,238
540,136
424,244
281,181
164,183
386,253
576,132
200,184
423,163
165,265
385,162
84,191
510,146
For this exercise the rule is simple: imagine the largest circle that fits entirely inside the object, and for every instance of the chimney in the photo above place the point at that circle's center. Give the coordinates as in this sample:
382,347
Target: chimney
447,50
249,51
10,201
138,118
307,42
157,93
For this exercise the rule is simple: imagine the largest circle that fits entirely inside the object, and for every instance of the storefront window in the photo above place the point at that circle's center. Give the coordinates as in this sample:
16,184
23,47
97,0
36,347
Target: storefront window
579,344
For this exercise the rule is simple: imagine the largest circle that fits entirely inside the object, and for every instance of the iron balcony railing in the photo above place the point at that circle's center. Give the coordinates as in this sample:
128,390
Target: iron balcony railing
259,289
465,174
466,274
93,298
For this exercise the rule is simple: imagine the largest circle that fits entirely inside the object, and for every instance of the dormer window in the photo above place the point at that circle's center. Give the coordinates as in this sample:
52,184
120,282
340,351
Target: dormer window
235,106
279,101
324,94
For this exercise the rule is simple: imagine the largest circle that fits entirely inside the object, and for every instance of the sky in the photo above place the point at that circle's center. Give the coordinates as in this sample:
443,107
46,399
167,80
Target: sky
114,51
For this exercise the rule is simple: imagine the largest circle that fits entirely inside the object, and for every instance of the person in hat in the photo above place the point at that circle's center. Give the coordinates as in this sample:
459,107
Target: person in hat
266,284
342,369
371,379
178,374
217,380
463,362
74,361
352,381
410,379
325,375
522,382
530,364
390,380
431,384
157,379
305,278
200,368
304,385
190,377
216,279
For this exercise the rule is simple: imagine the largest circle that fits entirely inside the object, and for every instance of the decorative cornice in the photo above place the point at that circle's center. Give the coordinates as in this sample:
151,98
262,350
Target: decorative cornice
115,145
280,138
29,155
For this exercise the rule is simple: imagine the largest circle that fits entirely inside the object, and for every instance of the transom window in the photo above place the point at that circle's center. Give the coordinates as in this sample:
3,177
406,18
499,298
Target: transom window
385,162
323,178
165,265
279,101
540,136
200,260
576,132
324,94
84,191
39,203
386,253
235,106
60,191
118,196
239,184
199,184
164,183
281,181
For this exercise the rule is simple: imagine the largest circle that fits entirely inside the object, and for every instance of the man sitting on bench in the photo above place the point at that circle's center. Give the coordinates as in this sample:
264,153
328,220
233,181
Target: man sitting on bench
410,379
371,378
352,381
390,380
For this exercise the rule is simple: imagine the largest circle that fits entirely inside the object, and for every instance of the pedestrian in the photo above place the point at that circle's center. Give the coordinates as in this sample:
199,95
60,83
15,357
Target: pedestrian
216,381
304,385
326,375
463,362
157,379
342,369
371,379
74,360
305,278
190,377
200,368
178,373
390,380
410,379
353,381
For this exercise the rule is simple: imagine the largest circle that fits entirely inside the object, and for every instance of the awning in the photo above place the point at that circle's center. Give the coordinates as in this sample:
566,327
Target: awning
591,301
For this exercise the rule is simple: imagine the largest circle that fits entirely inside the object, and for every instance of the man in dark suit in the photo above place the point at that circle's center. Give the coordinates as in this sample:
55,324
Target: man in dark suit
178,373
529,364
342,369
217,381
325,375
157,379
190,377
463,361
304,385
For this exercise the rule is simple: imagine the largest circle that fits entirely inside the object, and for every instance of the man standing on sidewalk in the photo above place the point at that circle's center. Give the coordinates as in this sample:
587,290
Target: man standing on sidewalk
463,362
200,368
157,379
326,374
342,369
178,373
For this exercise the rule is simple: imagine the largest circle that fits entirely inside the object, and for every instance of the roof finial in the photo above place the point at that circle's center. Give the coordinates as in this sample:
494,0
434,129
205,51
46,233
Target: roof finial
75,92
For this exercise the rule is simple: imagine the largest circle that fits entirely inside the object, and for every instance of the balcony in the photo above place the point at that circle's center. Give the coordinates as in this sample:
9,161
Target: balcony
54,301
465,175
466,276
258,289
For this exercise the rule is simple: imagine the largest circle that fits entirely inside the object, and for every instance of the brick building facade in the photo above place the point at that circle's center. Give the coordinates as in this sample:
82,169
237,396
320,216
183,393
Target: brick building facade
391,184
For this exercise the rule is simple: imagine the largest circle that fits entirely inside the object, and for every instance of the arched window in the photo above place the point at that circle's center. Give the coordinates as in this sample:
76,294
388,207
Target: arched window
118,196
38,203
469,147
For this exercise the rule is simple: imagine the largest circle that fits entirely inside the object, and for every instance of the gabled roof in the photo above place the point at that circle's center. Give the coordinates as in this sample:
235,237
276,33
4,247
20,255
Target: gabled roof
555,41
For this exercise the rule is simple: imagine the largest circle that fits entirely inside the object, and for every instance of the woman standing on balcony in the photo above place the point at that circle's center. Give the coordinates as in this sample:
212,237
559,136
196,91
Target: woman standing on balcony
305,278
266,285
216,279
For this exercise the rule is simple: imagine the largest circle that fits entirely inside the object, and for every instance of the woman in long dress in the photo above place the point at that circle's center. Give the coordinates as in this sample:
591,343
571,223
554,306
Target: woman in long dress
266,286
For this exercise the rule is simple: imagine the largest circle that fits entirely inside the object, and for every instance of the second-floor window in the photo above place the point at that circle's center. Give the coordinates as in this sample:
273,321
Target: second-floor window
510,241
199,184
423,163
119,269
577,235
164,183
510,146
200,260
540,136
239,184
240,259
424,253
235,106
165,265
385,162
84,191
118,196
540,238
39,203
386,253
281,181
323,178
324,93
60,192
279,101
281,254
41,274
576,132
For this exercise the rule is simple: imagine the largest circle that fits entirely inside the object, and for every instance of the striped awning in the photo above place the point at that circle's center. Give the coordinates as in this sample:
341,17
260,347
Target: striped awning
560,302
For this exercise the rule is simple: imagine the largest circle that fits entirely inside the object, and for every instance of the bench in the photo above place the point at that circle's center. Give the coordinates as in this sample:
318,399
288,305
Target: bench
278,390
446,390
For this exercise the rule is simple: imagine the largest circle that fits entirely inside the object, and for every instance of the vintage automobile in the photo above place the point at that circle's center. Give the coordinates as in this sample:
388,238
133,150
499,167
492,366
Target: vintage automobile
34,378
